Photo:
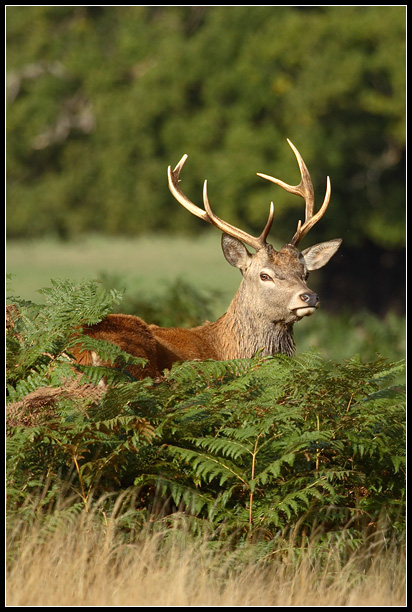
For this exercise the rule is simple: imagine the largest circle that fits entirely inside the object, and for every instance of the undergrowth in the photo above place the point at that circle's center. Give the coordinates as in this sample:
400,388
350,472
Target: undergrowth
247,449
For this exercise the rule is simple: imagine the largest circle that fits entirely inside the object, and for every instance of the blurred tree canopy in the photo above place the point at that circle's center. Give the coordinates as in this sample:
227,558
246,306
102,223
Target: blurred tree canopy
102,99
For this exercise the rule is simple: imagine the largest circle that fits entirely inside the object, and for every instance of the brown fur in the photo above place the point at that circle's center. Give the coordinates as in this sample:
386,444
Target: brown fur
260,317
273,294
131,334
159,345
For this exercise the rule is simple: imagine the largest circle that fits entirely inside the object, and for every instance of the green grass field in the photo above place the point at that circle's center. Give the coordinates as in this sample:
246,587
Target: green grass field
145,265
148,266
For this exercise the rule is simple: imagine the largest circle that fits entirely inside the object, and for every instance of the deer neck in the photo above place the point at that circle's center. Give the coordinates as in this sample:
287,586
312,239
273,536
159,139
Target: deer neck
244,333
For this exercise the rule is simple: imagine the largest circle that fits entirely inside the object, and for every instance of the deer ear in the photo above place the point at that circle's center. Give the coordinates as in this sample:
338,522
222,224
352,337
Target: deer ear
318,255
235,252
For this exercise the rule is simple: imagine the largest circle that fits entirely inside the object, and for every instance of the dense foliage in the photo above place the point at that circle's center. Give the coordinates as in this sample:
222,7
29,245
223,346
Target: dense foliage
251,447
102,99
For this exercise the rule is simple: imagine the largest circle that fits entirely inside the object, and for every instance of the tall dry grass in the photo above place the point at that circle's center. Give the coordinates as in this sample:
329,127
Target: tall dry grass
89,563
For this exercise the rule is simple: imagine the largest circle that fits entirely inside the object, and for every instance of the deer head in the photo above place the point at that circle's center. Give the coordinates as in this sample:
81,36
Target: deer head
273,289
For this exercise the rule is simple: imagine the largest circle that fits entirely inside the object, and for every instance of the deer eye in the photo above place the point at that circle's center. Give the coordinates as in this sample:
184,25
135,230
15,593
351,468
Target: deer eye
265,277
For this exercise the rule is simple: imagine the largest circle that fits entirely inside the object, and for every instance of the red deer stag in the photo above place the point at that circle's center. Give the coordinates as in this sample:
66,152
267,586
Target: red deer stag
272,296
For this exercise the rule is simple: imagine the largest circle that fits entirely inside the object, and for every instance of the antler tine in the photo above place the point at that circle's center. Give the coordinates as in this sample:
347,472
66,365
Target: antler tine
235,232
209,216
173,180
305,190
268,225
302,230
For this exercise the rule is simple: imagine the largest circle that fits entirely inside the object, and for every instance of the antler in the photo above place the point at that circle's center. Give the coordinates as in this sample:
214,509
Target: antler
305,190
209,216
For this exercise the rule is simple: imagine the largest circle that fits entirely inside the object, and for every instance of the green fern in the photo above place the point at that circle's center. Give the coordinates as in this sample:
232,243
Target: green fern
249,445
40,335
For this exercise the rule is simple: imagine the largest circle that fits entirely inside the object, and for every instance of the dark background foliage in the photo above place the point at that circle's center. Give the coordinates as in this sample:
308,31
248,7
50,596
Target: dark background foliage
102,99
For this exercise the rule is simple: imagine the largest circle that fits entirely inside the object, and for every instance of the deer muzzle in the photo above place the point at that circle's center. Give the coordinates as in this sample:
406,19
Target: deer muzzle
305,304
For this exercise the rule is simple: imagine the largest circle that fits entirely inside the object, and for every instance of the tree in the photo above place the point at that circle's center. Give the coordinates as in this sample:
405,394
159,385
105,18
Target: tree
103,99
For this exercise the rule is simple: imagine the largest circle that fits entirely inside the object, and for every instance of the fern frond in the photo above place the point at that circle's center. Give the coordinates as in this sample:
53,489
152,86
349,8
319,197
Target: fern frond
208,467
75,304
273,470
222,446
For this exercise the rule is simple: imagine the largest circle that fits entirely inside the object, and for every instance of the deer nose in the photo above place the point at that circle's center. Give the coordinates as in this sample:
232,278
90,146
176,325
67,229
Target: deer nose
311,299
